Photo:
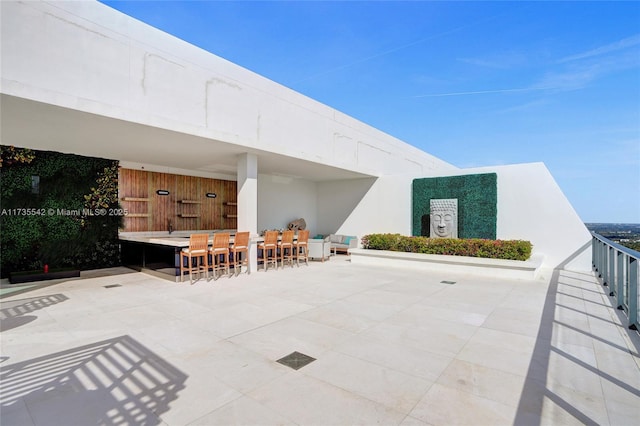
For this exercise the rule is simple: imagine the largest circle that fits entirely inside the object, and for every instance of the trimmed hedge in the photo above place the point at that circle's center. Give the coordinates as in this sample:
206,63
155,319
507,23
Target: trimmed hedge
474,247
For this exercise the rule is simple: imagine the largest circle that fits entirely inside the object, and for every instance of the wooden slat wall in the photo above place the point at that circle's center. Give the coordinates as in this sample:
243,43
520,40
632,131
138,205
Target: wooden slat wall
134,184
211,208
162,209
229,194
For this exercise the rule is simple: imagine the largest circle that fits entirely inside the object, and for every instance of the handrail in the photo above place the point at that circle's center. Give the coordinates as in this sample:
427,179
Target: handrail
618,267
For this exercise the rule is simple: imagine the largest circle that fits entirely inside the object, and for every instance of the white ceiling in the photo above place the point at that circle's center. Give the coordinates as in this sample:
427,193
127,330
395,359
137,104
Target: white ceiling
36,125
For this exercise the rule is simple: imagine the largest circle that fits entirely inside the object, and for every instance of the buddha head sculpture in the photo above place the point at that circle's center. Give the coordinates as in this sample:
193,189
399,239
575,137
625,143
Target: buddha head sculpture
444,218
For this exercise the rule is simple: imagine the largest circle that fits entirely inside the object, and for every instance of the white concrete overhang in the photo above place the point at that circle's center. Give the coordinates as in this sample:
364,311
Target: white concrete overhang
42,126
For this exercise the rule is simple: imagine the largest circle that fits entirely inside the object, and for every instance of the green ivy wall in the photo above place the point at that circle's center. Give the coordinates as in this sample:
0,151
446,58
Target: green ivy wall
477,203
35,229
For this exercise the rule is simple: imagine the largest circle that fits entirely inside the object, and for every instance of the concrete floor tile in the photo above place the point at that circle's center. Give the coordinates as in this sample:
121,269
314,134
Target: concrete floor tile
15,414
412,421
406,359
514,321
276,340
484,382
243,411
309,401
200,396
338,318
508,352
235,366
220,324
416,312
396,390
380,336
454,305
447,339
623,403
446,406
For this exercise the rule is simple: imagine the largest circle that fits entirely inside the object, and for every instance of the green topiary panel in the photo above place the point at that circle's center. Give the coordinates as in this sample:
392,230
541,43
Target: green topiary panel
477,203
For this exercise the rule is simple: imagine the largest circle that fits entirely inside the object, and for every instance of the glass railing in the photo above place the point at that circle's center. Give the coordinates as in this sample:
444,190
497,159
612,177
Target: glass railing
617,267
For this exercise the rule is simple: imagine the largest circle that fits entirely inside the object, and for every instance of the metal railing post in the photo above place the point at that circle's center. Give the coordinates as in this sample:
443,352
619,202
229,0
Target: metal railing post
620,279
633,293
618,267
611,266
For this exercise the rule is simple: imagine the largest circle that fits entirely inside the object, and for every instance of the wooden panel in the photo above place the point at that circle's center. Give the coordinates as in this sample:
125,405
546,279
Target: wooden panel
133,185
229,219
211,207
163,207
187,206
188,196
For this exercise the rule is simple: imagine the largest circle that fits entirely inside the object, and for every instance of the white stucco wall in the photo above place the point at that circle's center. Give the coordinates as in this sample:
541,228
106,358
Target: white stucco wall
89,57
531,206
283,199
365,206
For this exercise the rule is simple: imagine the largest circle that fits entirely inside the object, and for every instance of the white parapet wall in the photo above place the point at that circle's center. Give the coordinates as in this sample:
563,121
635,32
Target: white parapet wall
531,206
507,269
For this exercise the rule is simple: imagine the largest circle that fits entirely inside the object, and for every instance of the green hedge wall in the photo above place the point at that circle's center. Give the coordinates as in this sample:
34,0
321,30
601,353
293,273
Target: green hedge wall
477,203
41,226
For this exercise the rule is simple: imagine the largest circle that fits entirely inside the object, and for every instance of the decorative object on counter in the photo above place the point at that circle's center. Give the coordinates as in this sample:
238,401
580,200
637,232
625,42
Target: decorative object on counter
297,225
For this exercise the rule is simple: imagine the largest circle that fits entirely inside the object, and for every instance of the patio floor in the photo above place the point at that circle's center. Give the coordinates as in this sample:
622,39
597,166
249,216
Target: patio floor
391,347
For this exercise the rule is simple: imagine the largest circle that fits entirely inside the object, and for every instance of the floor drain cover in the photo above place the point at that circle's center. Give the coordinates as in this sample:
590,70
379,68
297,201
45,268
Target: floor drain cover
113,285
296,360
448,282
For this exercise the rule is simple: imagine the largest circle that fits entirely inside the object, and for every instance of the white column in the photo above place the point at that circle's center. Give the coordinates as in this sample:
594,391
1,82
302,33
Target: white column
248,201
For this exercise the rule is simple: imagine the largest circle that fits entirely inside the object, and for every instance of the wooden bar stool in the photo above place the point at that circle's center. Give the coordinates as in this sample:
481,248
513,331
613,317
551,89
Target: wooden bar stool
240,245
198,250
220,253
301,247
285,245
269,249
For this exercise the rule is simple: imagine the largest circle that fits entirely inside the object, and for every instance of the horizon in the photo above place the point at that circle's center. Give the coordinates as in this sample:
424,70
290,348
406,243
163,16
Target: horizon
474,84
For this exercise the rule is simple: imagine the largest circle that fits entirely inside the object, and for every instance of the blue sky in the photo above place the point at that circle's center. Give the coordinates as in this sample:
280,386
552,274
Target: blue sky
473,83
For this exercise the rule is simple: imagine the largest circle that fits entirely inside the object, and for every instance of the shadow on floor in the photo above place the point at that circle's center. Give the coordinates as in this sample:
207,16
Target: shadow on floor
13,312
116,381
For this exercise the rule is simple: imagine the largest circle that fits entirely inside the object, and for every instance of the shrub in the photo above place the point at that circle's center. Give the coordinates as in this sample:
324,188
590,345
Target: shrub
473,247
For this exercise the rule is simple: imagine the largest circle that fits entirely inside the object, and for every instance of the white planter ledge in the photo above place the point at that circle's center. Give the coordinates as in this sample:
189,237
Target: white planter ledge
518,269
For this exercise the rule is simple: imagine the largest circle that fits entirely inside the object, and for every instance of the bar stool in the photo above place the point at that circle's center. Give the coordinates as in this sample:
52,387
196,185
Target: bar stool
220,253
301,246
198,250
285,245
240,245
269,245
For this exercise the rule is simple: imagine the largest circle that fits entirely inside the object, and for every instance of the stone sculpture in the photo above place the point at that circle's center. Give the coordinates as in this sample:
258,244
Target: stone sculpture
444,218
297,225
